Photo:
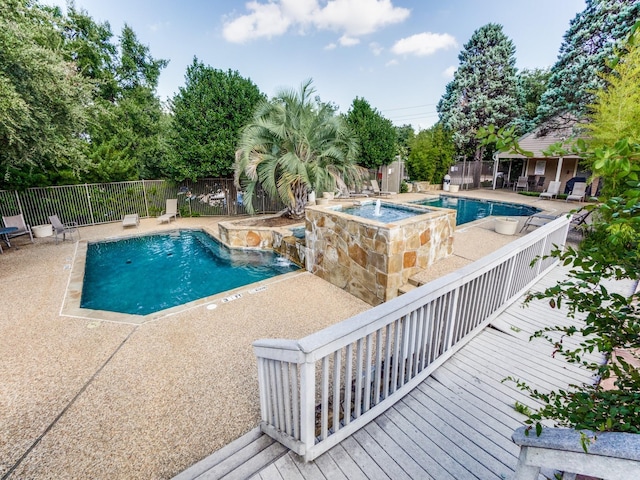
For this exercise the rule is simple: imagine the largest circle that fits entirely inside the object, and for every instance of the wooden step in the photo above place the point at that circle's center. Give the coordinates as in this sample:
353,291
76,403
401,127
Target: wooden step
238,460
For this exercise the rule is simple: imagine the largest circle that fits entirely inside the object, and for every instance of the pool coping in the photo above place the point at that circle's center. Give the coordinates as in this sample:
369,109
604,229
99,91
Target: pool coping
73,293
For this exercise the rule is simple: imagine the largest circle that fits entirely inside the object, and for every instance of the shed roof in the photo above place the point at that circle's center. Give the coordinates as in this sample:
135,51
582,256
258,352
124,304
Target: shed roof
559,129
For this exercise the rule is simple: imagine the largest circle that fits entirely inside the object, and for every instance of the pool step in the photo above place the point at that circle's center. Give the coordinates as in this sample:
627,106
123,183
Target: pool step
240,459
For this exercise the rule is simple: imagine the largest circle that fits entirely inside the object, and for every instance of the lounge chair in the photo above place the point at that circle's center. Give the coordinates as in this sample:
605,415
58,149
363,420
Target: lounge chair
171,211
131,220
376,189
63,228
552,190
537,220
18,222
523,182
578,192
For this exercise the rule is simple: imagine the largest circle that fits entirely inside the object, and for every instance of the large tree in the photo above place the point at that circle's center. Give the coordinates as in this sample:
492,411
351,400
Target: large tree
590,40
483,90
432,153
376,134
43,98
531,86
208,115
294,145
615,113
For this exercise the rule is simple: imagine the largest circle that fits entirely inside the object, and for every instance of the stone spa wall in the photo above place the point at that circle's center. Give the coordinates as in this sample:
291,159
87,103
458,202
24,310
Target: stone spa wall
369,259
245,234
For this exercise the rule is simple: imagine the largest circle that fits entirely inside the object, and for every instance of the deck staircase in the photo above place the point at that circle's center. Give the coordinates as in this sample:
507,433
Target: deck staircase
239,460
412,284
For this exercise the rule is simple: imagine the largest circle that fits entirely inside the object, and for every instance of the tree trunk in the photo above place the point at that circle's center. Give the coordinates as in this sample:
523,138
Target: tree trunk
296,209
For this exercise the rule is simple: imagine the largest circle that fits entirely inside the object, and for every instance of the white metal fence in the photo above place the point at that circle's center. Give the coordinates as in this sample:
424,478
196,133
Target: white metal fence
317,391
91,204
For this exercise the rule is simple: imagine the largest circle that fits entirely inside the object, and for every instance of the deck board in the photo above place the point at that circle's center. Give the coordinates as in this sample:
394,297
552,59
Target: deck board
457,424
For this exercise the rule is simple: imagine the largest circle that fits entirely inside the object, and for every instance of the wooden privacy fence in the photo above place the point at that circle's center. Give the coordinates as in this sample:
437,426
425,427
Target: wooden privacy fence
316,391
92,204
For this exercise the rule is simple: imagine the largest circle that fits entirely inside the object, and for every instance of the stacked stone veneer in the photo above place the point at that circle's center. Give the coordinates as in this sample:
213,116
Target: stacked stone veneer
372,260
242,234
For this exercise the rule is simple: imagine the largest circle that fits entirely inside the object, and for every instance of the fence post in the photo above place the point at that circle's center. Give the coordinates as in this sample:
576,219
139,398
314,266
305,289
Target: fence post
86,188
144,193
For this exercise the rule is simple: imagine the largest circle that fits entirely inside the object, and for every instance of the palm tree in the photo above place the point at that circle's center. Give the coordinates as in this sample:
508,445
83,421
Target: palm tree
294,145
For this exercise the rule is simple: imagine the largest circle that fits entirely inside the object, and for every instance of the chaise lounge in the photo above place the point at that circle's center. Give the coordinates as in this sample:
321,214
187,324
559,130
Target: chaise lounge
131,220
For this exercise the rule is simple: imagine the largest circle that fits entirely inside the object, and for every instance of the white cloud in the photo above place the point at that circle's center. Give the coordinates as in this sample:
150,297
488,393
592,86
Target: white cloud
449,71
265,20
376,48
423,44
391,63
331,46
347,41
351,18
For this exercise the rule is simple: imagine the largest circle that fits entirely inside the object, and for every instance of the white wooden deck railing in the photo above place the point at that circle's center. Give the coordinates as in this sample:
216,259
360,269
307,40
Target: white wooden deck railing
316,391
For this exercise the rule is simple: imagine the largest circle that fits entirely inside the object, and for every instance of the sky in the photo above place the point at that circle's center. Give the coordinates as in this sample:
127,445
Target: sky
398,55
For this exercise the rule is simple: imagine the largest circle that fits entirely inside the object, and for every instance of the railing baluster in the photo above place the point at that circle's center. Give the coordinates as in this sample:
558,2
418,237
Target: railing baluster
324,399
348,383
367,374
336,390
358,398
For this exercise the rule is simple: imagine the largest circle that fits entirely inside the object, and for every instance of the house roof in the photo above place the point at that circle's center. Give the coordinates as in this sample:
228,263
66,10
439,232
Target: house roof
554,131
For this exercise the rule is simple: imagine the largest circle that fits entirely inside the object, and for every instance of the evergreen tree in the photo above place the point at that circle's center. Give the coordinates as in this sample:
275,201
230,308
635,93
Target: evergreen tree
483,90
376,134
531,86
591,39
209,113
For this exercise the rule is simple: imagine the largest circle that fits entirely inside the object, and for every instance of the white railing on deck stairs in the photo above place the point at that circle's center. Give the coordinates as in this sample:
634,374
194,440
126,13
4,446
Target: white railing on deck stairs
316,391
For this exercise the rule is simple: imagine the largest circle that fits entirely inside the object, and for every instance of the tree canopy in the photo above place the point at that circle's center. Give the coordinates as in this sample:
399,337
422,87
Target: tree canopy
294,145
42,97
376,135
432,153
208,115
531,85
483,90
590,40
615,113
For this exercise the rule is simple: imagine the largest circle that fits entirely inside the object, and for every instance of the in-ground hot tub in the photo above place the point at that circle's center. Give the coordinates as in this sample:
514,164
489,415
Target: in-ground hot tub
370,258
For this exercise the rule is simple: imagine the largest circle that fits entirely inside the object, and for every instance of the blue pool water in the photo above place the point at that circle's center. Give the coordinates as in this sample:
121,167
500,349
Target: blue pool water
145,274
388,213
469,210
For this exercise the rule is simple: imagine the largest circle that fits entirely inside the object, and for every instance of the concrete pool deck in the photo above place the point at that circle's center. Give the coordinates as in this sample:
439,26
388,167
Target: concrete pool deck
85,398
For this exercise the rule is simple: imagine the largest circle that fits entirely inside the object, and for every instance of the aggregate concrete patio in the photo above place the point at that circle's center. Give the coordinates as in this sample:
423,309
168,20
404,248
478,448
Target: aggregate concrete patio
84,398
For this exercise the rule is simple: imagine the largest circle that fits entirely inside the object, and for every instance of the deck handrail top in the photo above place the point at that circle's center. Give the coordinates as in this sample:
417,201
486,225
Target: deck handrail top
361,324
608,444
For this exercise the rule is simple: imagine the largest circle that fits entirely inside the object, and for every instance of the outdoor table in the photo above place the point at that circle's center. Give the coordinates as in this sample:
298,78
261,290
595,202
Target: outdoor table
4,232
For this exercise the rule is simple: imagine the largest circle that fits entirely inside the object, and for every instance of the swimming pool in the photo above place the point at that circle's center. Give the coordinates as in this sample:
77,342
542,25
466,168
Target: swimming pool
145,274
469,210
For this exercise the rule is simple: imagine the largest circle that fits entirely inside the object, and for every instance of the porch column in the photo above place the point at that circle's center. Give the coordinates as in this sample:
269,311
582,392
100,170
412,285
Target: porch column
559,169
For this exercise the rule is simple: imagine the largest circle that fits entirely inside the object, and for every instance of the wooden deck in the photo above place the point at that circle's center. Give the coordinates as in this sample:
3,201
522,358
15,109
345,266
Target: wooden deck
457,424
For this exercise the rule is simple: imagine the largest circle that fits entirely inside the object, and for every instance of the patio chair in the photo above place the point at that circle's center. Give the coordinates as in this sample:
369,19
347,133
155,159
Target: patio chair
170,211
63,228
131,220
540,183
579,221
578,192
537,220
18,222
552,190
376,189
523,182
